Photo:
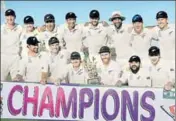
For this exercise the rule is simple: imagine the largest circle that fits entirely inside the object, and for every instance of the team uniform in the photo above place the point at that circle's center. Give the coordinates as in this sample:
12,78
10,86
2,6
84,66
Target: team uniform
136,78
31,68
109,75
140,79
72,76
10,48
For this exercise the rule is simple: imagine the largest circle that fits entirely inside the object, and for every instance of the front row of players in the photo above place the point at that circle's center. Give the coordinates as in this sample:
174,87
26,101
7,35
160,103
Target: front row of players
57,66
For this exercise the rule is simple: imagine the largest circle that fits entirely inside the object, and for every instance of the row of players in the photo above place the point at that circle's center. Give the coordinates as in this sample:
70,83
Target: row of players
124,41
55,67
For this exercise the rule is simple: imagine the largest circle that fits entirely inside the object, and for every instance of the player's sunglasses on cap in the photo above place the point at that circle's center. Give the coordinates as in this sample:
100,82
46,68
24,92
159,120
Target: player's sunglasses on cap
50,21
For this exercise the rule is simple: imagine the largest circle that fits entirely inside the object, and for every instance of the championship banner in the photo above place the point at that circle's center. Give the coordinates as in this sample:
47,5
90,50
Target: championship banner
85,103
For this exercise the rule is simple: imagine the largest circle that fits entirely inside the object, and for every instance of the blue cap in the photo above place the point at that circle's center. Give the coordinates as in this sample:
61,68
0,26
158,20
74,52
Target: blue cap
137,18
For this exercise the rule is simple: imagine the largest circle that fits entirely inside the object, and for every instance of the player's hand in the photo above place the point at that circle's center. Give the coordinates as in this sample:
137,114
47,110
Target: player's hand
119,83
43,82
168,86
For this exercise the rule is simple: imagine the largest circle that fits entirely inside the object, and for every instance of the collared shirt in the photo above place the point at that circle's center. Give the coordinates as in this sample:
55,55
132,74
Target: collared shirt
10,39
95,37
72,38
140,43
166,42
162,73
120,41
46,35
109,75
31,68
75,77
140,79
56,64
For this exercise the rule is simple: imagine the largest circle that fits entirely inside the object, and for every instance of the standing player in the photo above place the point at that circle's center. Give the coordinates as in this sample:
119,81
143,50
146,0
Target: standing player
29,30
31,68
119,34
140,38
135,75
108,70
51,30
96,34
162,71
166,35
10,45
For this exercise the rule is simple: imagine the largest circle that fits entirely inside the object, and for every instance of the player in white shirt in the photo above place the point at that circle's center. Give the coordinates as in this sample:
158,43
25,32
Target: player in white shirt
10,45
119,42
51,30
31,67
140,38
162,71
166,35
56,59
96,34
136,75
29,30
75,72
108,70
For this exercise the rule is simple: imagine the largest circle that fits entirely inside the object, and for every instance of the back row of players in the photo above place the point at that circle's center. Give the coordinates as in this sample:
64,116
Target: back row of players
46,51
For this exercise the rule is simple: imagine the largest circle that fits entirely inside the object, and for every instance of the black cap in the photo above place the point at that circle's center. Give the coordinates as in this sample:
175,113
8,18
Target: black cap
28,20
94,14
137,18
104,49
53,40
10,12
70,15
134,58
154,51
161,14
75,55
32,40
49,18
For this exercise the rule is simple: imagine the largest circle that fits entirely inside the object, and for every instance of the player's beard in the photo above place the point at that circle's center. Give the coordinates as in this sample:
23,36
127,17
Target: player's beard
134,69
118,25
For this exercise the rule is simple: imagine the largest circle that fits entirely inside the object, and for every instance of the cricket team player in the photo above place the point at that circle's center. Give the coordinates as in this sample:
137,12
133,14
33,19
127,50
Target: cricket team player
75,72
96,34
140,38
28,30
162,71
51,30
10,45
135,75
166,35
31,67
119,34
108,70
56,60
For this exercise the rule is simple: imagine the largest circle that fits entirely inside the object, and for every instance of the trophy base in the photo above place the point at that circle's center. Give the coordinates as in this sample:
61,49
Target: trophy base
95,81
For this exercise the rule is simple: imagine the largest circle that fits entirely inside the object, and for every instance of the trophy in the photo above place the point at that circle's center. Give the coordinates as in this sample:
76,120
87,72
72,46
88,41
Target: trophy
91,69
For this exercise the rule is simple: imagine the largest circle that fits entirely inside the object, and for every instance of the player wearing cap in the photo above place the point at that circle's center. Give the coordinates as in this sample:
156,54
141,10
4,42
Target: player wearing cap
71,33
75,72
56,60
31,68
108,70
162,71
96,34
140,38
51,30
119,34
10,45
166,35
135,75
29,30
